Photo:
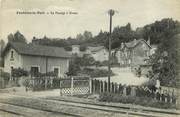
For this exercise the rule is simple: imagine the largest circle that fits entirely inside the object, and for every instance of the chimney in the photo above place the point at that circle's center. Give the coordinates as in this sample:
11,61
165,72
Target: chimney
148,41
122,45
134,41
35,41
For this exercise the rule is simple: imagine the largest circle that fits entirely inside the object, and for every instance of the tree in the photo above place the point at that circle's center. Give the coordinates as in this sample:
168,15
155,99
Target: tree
165,61
80,37
87,35
17,37
10,37
74,66
100,39
157,29
122,34
2,44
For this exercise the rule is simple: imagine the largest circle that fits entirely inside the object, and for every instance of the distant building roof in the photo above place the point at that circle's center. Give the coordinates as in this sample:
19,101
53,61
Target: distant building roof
37,50
133,43
95,49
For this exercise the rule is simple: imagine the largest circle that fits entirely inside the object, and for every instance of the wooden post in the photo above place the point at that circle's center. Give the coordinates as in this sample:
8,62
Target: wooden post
165,99
94,86
115,87
133,91
171,99
124,91
72,85
100,87
52,82
119,89
110,88
33,80
106,86
3,83
103,86
45,83
60,87
90,85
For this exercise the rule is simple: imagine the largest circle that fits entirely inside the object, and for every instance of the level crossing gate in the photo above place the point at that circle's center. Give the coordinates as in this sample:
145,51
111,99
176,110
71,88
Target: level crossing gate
75,85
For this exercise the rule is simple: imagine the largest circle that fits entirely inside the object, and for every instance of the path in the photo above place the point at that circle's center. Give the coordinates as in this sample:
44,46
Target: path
125,76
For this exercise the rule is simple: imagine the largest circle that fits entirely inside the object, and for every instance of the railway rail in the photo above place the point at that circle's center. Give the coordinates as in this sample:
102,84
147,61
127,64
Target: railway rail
69,104
120,107
30,111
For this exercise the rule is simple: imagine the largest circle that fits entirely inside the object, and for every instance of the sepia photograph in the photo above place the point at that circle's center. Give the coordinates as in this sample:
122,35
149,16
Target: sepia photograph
82,58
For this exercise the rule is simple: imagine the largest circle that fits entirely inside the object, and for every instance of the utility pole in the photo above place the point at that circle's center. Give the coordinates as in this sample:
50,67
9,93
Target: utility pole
111,13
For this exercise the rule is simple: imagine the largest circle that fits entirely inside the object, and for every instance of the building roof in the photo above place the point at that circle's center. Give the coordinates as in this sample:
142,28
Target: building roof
37,50
95,49
135,42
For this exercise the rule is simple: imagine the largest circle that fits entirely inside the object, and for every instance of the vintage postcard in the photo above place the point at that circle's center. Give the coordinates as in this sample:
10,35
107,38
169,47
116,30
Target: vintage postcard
81,58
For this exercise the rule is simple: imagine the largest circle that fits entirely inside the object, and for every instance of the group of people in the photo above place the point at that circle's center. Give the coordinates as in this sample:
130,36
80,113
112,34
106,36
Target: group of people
138,72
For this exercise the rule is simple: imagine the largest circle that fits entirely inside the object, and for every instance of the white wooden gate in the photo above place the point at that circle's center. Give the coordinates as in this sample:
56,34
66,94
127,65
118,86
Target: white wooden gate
76,85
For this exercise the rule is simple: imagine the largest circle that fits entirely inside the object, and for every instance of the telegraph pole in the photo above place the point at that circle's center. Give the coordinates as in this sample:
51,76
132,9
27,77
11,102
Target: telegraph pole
111,13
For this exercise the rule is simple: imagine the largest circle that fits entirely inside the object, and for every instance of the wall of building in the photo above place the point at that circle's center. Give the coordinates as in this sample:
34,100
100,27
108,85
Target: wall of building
140,53
75,49
9,62
134,56
101,55
39,61
124,57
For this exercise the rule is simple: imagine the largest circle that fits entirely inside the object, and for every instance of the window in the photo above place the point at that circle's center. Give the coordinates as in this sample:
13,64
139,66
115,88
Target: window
146,53
129,61
34,71
56,71
12,55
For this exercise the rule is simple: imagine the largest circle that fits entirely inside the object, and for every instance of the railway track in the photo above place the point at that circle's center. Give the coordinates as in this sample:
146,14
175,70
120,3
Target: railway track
12,109
119,107
26,111
59,107
10,113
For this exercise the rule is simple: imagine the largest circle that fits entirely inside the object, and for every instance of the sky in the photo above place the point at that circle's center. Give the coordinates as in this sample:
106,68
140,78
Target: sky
88,15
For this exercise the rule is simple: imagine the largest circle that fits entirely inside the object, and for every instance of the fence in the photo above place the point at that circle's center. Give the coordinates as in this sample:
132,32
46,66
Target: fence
68,86
2,83
39,83
139,91
75,85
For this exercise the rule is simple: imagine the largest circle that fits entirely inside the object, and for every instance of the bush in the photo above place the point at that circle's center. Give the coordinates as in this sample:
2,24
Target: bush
144,101
19,72
73,69
104,63
68,48
82,48
5,76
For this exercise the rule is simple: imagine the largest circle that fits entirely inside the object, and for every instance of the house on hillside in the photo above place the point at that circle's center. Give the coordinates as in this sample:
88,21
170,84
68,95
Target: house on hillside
133,53
35,58
99,53
76,50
